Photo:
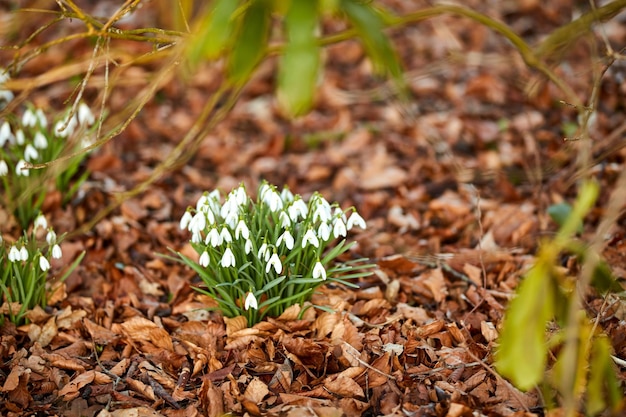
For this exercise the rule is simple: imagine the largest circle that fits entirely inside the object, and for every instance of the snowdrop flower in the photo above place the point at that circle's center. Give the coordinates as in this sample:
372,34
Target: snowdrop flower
43,263
272,199
40,141
286,195
275,262
85,116
197,223
309,237
250,302
284,219
41,118
298,209
5,134
40,221
324,231
228,259
248,246
264,252
6,95
29,119
339,228
14,254
287,239
213,237
242,229
225,235
196,237
204,259
4,168
356,220
56,252
319,271
19,137
51,237
20,168
64,128
30,153
322,210
23,253
240,196
185,220
338,213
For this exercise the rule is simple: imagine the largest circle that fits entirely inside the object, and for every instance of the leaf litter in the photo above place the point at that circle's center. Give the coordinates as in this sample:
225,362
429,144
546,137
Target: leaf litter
455,204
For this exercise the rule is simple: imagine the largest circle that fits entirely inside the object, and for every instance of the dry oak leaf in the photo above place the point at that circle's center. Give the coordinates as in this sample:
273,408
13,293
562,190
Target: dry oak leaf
139,328
343,387
71,390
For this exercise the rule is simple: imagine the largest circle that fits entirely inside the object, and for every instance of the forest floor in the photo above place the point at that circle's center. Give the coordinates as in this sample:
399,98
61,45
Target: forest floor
454,185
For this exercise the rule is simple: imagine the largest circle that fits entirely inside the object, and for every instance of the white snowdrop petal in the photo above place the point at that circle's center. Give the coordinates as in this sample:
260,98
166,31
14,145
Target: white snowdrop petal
43,263
250,302
56,252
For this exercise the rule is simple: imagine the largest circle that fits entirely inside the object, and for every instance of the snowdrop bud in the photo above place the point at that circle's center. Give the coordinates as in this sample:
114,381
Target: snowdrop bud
40,221
85,116
263,250
185,220
309,237
339,228
196,237
204,259
248,246
286,195
356,220
242,229
5,134
23,253
284,219
319,271
40,141
30,153
213,238
19,137
51,237
41,118
250,302
4,168
14,254
225,235
275,262
197,223
43,263
20,168
324,231
29,118
56,252
240,196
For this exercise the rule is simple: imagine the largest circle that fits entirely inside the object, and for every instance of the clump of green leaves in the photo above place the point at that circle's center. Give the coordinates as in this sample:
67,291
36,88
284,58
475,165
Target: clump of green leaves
30,140
258,257
24,269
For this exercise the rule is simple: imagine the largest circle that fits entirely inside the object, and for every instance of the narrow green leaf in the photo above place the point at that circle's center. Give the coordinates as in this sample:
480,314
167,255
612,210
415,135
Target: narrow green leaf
603,392
300,63
370,28
523,350
250,42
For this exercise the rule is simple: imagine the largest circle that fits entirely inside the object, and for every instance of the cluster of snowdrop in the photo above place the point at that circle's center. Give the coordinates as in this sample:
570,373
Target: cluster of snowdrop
28,140
271,252
25,265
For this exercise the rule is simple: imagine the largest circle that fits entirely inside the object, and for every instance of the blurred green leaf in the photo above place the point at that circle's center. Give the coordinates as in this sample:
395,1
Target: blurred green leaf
250,41
300,63
560,212
523,349
213,31
603,392
370,27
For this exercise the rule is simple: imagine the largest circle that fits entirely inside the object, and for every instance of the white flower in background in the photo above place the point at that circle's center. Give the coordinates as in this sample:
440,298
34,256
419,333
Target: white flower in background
41,118
250,302
197,223
19,137
271,198
240,196
30,153
4,168
23,253
339,228
51,237
323,231
14,254
248,246
286,195
319,271
356,220
264,252
322,209
43,263
309,237
40,221
274,262
287,239
20,168
29,118
85,116
196,237
40,141
338,213
204,259
64,128
225,236
284,219
213,238
242,229
5,134
185,220
298,209
56,252
5,95
228,259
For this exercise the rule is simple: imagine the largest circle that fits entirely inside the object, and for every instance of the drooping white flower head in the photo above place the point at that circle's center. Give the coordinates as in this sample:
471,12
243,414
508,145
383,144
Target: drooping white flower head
20,168
323,231
40,141
85,116
322,210
228,259
242,230
23,253
264,252
204,259
56,252
250,302
310,238
20,138
14,254
29,118
41,118
274,262
297,209
40,221
185,220
51,237
213,238
5,134
287,239
248,246
30,153
339,228
197,223
225,235
284,219
356,220
286,195
4,168
43,263
319,271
